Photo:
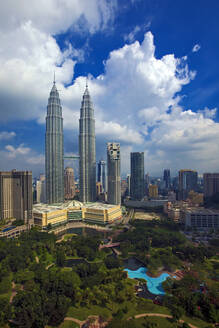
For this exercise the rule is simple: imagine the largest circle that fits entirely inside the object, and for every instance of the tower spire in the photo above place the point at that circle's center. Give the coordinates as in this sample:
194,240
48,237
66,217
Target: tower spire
54,79
86,82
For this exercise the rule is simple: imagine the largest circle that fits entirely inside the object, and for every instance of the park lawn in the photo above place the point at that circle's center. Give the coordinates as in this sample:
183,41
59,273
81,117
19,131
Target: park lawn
143,306
161,322
65,269
69,324
196,321
83,312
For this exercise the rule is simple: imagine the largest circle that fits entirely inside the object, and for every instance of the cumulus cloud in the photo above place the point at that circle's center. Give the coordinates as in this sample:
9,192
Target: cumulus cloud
196,47
21,157
5,135
136,99
115,131
54,16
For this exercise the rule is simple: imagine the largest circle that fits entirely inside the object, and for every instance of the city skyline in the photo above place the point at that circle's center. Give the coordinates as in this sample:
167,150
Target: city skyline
165,104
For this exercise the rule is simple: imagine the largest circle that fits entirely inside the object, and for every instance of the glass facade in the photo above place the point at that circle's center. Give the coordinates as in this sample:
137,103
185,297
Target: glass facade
137,175
54,149
87,150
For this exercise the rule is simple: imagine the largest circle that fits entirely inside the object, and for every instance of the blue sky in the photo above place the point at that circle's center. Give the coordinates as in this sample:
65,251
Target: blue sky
153,78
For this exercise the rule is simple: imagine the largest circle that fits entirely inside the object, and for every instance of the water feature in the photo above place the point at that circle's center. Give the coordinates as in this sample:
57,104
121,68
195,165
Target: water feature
8,228
135,269
87,232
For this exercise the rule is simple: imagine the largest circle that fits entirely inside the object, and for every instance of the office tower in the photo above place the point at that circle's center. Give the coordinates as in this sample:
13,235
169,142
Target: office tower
69,183
137,175
16,195
187,182
147,182
101,174
124,188
113,169
87,150
128,179
211,184
41,189
54,149
153,191
99,189
166,178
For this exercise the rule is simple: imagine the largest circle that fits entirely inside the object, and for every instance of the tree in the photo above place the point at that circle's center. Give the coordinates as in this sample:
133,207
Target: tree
60,258
176,312
5,311
185,325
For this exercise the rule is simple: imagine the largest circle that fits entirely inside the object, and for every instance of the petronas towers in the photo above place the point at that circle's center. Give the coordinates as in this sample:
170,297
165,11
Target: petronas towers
54,155
54,149
87,150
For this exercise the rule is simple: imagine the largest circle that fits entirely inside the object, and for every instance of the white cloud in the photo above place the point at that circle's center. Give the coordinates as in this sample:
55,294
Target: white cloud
21,158
131,36
136,99
20,150
196,47
54,16
114,131
5,135
36,160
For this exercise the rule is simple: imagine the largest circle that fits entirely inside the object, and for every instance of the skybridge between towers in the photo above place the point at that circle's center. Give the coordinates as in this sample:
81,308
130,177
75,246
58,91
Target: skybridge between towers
75,157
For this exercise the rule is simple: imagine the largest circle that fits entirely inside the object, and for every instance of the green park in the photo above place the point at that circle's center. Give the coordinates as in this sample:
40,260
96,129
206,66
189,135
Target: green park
48,282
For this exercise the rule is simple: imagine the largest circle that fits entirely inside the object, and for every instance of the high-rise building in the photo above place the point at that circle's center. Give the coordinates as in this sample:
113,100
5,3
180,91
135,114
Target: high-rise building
187,181
147,182
69,183
101,174
128,179
166,178
137,176
41,189
124,188
87,150
153,191
99,189
16,199
54,149
211,184
113,170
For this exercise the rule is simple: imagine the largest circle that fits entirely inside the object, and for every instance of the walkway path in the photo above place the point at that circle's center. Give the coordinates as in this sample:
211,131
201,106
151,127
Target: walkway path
14,292
137,316
160,315
79,322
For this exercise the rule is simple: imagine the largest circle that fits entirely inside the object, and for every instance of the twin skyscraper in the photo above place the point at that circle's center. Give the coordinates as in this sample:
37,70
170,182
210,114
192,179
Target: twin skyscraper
54,154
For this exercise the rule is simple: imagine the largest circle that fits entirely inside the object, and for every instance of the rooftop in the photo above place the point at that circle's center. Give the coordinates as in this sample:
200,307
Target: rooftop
45,208
201,210
99,206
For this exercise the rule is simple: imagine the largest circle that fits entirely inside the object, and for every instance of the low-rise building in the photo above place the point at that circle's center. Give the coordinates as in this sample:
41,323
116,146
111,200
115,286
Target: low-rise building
53,217
13,231
100,213
57,214
202,218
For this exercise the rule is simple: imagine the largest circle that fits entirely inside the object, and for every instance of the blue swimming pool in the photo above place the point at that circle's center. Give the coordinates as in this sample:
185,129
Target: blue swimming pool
154,285
9,228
